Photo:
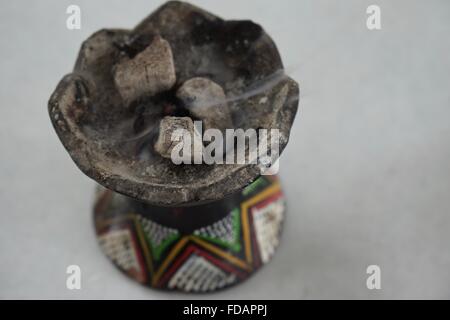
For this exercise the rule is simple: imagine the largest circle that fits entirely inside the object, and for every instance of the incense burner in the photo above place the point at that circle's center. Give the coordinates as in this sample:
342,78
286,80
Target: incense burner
186,227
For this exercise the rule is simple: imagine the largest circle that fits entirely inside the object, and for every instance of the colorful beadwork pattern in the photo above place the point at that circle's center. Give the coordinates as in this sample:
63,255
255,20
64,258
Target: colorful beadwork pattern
210,258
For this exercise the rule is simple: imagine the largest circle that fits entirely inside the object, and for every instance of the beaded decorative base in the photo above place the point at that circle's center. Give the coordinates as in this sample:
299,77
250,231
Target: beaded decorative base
200,248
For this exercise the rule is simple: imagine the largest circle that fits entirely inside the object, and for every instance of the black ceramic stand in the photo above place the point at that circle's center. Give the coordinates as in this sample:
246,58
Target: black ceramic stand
198,248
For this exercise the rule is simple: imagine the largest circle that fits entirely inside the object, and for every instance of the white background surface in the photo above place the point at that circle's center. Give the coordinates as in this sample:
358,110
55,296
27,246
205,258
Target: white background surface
367,170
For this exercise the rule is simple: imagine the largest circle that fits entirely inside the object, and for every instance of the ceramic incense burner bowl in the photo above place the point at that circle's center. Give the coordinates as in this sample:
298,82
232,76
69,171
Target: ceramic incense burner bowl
192,227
